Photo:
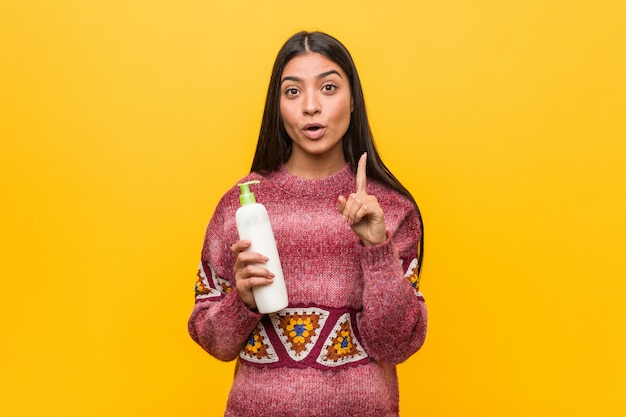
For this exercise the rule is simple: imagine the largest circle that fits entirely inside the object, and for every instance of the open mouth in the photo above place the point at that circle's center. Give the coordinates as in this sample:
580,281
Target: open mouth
313,127
313,130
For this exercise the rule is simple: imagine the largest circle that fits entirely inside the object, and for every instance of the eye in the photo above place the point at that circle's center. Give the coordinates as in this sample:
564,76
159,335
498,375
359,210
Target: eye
329,88
291,92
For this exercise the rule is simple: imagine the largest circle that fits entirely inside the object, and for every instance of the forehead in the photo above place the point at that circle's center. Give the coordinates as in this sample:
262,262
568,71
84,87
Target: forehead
311,65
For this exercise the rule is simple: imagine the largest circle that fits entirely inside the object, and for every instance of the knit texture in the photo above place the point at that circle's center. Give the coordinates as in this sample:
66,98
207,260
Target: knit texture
354,311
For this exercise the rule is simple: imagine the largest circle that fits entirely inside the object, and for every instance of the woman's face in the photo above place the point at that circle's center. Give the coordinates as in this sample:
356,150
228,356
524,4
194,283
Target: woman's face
315,105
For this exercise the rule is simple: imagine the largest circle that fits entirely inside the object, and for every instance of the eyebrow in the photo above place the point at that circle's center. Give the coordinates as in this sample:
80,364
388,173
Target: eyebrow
320,76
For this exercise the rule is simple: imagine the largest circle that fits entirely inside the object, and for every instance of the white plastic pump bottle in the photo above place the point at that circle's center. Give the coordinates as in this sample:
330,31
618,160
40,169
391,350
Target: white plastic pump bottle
253,224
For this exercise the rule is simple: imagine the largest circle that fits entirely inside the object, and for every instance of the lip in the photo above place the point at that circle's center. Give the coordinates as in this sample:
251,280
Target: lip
313,130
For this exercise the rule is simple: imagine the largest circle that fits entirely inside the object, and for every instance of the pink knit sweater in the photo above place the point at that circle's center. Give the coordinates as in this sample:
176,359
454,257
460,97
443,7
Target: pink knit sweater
354,312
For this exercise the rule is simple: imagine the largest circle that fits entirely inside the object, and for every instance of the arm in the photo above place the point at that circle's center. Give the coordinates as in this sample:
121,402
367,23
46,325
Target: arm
393,323
222,327
394,320
220,322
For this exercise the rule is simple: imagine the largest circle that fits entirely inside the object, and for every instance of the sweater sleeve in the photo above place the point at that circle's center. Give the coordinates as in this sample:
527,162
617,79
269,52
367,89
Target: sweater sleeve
393,324
220,322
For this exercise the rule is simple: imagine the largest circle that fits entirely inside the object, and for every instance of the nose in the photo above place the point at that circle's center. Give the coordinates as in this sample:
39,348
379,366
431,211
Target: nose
311,104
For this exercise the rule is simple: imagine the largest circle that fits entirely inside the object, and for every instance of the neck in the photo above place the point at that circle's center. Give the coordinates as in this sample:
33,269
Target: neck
314,167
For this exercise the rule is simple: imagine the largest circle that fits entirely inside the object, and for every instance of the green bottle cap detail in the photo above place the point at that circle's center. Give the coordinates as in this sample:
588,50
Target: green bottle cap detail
246,196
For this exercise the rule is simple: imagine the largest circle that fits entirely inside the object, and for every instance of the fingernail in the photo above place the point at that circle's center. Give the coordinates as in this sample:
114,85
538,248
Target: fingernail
265,258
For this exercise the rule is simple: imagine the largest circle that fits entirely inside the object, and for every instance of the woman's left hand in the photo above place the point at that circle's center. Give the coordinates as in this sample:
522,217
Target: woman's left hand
362,211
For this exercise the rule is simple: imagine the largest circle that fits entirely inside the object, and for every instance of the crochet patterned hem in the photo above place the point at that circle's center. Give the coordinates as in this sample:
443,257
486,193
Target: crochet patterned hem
303,337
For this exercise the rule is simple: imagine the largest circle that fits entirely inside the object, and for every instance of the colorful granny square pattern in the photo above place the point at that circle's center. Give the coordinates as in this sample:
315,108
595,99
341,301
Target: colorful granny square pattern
299,329
203,288
223,285
341,346
414,279
259,349
210,285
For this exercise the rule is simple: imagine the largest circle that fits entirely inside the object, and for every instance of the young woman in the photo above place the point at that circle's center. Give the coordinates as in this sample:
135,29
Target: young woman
350,240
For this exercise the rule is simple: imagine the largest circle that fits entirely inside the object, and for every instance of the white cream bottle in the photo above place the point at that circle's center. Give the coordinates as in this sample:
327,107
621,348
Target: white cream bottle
253,224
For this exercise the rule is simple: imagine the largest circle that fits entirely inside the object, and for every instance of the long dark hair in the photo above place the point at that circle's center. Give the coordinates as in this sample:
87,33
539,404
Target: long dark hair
274,145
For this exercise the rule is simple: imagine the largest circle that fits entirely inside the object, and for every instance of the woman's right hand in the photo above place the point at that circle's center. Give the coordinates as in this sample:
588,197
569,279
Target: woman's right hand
248,272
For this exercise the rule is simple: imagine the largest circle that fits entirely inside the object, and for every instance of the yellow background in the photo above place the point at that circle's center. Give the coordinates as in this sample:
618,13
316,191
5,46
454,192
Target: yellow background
123,122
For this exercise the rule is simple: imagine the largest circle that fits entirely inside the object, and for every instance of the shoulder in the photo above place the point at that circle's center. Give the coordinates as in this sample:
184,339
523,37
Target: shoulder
230,199
231,196
400,212
389,198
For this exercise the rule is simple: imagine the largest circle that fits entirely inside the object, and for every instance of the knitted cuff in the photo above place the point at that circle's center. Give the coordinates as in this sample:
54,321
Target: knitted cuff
380,255
233,303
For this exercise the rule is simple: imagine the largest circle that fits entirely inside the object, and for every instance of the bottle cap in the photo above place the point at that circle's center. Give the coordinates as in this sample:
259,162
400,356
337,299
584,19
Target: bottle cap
246,196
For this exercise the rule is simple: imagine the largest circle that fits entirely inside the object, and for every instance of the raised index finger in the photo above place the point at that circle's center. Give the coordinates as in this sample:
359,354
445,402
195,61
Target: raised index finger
361,176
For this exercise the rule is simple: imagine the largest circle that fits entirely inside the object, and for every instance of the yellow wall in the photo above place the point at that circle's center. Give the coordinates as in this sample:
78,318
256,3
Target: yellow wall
122,122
